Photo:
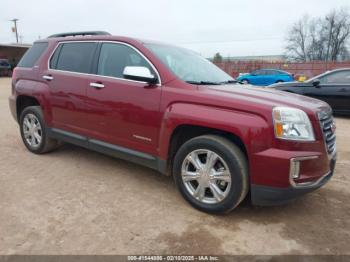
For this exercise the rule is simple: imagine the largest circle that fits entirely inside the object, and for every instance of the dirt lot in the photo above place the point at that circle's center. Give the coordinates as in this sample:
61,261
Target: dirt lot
74,201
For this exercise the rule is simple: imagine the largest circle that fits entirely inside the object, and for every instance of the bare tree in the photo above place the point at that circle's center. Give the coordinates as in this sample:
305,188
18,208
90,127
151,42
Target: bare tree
297,38
320,38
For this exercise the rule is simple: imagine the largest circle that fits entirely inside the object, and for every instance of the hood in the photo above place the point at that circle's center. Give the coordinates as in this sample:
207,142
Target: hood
263,98
288,84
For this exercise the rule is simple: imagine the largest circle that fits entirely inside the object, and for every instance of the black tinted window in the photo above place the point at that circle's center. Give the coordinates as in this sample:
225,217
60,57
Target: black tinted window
32,55
115,57
54,58
74,57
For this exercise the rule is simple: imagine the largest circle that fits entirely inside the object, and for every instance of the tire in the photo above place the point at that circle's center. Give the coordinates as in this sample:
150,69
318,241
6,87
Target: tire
30,132
245,82
279,81
230,162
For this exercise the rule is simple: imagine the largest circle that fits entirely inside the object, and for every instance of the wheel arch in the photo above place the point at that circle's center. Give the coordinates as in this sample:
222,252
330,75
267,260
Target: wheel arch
184,132
24,101
182,121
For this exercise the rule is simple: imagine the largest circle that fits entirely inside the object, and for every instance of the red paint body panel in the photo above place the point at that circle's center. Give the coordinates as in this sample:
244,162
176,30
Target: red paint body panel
124,109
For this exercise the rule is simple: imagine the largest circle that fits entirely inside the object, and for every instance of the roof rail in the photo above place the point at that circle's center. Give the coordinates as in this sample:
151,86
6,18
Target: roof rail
84,33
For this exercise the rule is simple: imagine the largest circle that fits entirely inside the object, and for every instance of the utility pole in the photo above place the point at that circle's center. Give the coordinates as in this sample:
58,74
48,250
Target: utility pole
15,28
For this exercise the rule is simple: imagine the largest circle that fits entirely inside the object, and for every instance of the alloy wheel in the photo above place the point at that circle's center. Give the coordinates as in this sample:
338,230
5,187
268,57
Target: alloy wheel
32,130
206,176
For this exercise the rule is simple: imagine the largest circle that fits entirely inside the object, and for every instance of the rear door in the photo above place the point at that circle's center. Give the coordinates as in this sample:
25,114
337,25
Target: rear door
123,112
67,79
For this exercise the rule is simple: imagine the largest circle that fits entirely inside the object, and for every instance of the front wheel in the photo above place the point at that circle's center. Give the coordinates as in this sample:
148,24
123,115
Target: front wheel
211,173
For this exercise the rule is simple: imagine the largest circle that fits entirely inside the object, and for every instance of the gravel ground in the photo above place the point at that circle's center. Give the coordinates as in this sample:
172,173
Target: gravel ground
74,201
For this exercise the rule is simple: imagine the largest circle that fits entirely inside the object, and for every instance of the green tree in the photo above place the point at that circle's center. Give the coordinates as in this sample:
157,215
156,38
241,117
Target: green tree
217,58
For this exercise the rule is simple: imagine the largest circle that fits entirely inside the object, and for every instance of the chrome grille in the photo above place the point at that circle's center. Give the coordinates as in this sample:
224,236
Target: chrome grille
328,129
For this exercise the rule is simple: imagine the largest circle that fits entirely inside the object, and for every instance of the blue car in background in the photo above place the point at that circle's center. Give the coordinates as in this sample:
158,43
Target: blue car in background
265,77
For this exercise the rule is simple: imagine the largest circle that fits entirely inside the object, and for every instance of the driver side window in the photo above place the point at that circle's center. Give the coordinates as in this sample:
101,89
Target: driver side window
115,57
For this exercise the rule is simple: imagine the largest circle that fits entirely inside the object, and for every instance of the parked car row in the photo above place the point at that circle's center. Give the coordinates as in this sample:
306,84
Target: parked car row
265,77
332,87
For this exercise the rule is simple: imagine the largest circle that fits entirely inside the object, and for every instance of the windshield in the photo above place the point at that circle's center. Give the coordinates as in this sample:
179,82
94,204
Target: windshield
189,66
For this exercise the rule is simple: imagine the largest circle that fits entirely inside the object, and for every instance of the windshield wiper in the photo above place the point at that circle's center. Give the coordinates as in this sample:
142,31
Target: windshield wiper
203,83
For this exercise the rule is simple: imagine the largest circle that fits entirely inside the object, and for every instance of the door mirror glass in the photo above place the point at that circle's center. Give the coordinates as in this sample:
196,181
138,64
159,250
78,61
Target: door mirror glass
316,82
139,73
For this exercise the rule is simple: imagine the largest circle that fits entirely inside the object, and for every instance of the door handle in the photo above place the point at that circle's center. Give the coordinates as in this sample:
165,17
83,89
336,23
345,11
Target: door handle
97,85
48,77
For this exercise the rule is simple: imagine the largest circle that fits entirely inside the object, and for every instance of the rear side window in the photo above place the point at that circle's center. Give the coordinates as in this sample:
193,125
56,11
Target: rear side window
74,57
33,54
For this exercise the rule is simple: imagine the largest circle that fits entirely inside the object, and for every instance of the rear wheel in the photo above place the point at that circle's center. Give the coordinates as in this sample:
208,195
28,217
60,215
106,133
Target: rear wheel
34,131
211,173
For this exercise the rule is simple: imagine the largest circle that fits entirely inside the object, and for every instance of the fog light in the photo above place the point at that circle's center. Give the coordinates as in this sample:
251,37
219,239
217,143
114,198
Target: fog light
294,171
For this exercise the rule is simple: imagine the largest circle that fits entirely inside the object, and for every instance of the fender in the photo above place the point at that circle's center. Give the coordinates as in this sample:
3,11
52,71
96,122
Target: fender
39,91
249,127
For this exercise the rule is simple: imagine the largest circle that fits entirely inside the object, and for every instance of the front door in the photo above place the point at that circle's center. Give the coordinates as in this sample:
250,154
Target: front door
123,112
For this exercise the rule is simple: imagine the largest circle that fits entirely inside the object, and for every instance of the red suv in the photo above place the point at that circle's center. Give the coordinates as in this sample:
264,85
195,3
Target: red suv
169,109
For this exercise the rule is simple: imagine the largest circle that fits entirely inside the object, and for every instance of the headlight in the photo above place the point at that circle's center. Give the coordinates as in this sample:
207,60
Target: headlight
292,124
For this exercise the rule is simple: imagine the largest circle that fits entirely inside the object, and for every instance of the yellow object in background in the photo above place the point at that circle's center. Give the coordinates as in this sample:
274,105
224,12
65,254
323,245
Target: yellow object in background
302,78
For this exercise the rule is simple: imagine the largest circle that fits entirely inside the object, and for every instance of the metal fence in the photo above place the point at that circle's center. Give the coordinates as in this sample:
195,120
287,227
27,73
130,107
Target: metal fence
308,69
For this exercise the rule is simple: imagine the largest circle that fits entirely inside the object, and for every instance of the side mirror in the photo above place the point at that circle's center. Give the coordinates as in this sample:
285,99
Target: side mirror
316,83
139,73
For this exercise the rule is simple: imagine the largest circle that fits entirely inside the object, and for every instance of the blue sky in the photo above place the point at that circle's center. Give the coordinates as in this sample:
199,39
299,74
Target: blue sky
231,27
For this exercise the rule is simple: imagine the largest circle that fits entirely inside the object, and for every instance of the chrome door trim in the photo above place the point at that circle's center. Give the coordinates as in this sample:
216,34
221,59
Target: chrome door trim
47,77
97,85
109,77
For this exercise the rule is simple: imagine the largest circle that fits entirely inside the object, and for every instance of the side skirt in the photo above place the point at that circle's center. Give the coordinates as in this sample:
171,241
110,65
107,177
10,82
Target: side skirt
124,153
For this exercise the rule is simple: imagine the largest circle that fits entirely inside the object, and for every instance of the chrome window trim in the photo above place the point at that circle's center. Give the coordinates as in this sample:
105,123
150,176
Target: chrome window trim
109,77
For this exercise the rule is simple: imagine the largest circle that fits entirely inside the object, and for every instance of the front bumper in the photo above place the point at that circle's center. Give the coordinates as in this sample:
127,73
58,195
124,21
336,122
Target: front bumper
268,196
